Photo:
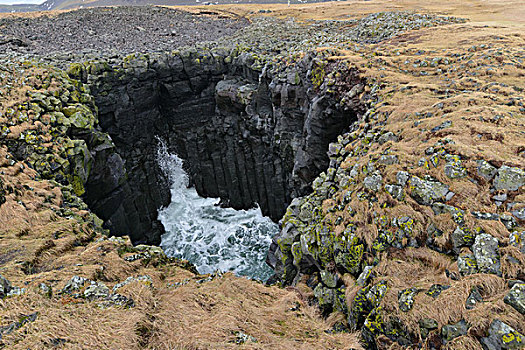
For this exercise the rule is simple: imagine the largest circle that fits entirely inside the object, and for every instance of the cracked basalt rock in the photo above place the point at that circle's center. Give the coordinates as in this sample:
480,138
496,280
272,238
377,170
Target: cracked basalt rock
247,136
516,297
509,178
502,336
486,253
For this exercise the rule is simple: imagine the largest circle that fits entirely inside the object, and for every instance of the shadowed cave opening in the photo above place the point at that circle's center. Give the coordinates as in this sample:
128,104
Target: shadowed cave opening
245,136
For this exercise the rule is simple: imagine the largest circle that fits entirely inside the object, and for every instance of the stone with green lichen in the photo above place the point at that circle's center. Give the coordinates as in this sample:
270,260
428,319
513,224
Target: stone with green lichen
5,286
376,293
325,297
364,277
467,265
516,297
451,331
458,215
297,253
453,167
508,178
374,322
486,253
502,336
426,192
329,278
325,238
486,170
349,253
435,290
340,300
406,298
373,182
426,325
462,237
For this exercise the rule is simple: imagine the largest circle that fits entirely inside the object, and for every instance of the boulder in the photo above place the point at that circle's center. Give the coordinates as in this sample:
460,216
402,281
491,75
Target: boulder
516,297
486,252
509,178
502,336
427,192
455,330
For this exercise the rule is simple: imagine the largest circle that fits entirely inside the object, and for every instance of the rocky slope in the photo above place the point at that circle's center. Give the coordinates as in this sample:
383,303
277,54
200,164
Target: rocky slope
412,235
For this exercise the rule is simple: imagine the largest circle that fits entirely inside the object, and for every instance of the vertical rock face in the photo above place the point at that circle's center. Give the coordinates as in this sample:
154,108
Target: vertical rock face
249,135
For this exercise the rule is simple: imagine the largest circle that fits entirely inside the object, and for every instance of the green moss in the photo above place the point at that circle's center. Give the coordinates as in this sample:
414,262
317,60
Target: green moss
318,75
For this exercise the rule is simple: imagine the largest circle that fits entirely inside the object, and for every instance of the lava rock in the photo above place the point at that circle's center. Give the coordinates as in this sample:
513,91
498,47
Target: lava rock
510,179
473,299
516,297
452,331
427,192
486,252
502,336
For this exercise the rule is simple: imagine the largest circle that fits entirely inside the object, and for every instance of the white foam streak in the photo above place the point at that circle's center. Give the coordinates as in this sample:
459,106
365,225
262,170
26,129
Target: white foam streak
209,236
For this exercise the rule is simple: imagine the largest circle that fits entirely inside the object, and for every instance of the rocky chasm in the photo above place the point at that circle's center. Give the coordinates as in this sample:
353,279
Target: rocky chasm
248,137
411,234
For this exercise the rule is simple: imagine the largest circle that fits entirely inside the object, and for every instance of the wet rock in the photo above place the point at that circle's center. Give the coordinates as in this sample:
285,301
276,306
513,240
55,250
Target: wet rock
509,178
452,331
406,298
486,253
485,170
473,299
516,297
502,336
426,192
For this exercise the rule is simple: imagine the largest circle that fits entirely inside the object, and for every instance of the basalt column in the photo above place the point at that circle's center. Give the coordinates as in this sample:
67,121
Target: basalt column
250,135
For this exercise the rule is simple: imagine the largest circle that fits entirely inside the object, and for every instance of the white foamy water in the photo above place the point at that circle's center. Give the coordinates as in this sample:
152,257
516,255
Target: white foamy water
209,236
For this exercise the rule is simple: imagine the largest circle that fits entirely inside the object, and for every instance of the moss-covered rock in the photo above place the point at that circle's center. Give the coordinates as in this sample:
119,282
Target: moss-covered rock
503,336
509,178
516,297
427,191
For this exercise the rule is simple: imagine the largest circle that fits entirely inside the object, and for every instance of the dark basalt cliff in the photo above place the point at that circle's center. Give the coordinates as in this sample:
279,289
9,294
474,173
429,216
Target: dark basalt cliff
250,135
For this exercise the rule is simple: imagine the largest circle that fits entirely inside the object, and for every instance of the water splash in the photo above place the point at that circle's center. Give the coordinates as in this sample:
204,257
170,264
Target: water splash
209,236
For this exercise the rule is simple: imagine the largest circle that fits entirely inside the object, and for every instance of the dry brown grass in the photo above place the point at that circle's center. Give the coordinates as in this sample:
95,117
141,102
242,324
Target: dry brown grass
420,268
206,316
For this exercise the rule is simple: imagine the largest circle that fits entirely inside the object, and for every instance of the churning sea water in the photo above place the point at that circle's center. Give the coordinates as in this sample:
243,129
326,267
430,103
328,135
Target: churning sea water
211,237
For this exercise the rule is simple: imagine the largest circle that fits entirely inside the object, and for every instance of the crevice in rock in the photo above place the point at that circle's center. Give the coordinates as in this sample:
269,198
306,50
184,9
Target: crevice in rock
247,135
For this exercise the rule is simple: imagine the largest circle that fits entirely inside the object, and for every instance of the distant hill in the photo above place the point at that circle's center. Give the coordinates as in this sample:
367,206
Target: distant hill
74,4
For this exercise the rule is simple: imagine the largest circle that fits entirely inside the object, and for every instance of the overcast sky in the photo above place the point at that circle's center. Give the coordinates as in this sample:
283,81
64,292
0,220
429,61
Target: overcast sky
10,2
